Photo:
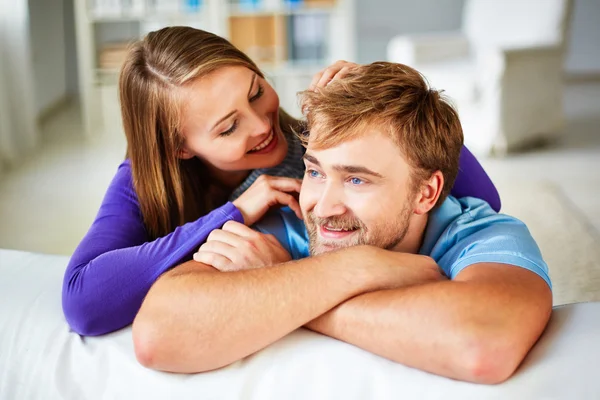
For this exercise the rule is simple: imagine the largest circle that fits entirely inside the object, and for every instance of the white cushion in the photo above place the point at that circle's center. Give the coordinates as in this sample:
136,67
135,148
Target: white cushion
41,359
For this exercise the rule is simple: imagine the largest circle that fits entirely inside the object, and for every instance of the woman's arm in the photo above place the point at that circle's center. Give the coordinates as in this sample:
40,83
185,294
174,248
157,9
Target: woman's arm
473,181
115,265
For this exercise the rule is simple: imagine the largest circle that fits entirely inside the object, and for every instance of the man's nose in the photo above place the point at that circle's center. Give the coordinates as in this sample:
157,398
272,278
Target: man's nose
330,203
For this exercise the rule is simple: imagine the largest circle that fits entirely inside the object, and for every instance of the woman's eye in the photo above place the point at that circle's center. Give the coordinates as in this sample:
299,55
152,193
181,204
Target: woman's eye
356,181
258,94
230,130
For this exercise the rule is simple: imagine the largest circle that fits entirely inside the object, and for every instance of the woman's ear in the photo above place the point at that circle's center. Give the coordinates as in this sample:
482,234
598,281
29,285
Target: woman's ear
429,193
184,154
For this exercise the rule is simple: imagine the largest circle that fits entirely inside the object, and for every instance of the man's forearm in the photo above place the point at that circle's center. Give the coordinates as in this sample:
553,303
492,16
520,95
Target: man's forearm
195,318
461,330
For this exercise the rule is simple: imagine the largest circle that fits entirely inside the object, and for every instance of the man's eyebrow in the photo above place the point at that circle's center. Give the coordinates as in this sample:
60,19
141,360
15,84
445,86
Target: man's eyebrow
351,169
234,111
356,169
311,159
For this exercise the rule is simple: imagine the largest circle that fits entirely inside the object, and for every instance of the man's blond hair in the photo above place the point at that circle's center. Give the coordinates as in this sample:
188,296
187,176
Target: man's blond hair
397,99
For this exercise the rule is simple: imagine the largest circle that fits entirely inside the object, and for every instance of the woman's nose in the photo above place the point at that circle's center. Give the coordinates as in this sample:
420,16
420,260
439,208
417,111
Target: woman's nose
261,123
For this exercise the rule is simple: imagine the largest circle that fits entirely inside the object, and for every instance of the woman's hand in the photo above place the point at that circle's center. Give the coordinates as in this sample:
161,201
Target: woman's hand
266,192
237,247
337,70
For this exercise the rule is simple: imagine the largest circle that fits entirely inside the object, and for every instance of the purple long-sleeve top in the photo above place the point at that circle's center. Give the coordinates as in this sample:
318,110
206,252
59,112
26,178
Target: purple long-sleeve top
114,266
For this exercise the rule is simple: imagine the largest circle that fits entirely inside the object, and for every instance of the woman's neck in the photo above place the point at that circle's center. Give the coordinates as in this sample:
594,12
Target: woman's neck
228,179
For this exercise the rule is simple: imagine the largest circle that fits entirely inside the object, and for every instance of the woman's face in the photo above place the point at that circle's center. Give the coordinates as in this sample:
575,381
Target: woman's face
230,121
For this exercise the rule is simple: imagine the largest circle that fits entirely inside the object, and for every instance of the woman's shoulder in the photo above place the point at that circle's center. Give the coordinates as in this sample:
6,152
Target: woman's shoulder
122,182
123,174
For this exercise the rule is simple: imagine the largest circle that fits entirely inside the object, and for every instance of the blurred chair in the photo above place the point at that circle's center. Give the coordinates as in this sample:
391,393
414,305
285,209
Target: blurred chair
503,70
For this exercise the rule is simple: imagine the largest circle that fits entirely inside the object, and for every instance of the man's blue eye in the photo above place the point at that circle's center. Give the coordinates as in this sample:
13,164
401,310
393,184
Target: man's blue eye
313,174
356,181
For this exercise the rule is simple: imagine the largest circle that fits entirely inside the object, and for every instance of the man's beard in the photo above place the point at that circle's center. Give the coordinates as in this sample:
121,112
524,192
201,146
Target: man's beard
386,235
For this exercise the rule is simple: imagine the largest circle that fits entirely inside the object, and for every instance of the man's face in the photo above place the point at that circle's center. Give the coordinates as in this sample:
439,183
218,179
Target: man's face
356,193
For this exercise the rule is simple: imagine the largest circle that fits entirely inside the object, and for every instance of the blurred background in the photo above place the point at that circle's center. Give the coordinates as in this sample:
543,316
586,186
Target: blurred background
524,75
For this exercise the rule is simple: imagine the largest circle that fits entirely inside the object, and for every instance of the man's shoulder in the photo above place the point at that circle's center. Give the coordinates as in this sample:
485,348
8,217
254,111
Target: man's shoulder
468,216
466,231
457,217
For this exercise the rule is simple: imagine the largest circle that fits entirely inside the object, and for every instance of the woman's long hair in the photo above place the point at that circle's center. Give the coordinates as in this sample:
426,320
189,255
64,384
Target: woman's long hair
171,191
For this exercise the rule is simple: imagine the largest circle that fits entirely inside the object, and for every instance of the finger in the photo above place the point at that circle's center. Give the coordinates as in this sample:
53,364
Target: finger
342,73
285,184
290,201
315,80
227,235
215,260
327,76
271,238
241,231
297,210
221,248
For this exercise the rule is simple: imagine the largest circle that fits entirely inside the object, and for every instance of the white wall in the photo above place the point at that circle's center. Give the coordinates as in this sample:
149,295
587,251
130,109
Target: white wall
583,56
379,20
48,51
70,48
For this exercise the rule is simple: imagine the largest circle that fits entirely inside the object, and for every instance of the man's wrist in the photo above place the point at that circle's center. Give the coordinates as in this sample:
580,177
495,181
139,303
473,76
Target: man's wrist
323,323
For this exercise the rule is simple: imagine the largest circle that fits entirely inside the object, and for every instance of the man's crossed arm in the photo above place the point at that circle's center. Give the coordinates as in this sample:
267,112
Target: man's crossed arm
477,327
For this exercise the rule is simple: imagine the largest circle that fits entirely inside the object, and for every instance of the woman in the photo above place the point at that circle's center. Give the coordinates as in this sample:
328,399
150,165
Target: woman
207,143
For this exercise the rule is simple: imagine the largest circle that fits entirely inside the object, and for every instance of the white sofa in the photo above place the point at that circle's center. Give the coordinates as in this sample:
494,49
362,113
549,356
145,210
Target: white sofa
503,70
41,359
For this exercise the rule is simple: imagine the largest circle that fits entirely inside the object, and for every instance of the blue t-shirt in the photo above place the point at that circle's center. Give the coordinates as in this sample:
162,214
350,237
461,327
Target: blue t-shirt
460,232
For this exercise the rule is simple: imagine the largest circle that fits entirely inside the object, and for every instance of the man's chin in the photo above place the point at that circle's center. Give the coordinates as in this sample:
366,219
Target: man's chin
321,248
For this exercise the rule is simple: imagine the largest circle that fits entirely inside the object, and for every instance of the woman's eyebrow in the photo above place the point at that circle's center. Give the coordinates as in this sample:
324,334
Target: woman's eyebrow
251,84
234,111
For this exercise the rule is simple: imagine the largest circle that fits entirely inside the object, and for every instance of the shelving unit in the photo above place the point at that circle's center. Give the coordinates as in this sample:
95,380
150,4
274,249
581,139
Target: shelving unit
290,40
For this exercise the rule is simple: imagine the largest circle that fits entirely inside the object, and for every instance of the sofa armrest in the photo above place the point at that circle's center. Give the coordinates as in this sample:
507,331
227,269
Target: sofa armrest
525,86
545,51
424,48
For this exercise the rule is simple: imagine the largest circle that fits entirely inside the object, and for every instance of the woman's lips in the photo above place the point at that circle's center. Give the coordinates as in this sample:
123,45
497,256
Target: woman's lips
266,145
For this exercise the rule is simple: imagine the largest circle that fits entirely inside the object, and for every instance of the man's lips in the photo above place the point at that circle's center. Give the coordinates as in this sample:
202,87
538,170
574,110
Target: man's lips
335,233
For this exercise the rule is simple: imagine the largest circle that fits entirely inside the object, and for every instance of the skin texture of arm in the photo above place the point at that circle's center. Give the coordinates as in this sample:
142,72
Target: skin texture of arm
196,319
477,328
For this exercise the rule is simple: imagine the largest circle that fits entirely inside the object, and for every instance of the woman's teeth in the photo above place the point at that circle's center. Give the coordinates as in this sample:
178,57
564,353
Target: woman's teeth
265,143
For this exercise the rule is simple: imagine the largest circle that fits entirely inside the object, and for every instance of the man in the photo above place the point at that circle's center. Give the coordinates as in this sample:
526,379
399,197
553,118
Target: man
398,268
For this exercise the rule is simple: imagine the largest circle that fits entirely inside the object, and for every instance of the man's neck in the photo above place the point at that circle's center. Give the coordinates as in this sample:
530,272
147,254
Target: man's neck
413,240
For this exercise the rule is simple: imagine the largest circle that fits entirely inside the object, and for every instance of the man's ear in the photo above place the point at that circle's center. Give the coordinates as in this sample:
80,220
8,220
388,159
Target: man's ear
184,154
429,192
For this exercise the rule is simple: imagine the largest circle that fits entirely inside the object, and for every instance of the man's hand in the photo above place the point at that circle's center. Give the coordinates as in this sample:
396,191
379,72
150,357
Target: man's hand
402,270
237,247
397,269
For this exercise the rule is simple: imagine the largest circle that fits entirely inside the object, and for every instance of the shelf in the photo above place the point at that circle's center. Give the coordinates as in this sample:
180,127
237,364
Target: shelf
110,76
274,33
293,68
174,16
115,18
240,11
